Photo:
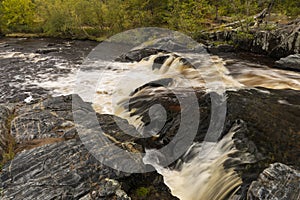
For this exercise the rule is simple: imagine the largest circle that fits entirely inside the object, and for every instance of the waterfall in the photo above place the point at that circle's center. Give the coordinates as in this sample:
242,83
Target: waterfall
204,176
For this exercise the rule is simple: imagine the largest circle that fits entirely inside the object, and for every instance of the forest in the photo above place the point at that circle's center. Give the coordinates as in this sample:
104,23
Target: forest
99,19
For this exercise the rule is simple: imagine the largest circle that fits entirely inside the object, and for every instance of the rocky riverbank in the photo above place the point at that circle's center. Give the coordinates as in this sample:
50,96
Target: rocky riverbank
52,163
278,41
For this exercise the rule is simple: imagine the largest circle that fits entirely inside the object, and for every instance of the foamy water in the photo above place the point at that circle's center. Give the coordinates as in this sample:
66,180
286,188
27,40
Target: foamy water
112,82
204,176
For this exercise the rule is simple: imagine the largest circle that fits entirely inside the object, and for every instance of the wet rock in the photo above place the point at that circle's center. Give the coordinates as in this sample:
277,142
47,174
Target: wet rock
22,70
138,55
157,83
59,167
47,50
51,118
279,181
223,48
291,62
248,105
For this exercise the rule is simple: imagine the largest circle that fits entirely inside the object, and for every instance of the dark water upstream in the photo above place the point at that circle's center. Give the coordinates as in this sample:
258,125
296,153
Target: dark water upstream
25,63
34,68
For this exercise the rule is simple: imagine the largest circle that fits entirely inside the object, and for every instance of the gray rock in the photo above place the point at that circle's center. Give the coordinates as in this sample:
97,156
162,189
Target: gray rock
137,55
263,134
278,182
55,166
291,62
51,118
282,41
47,50
64,170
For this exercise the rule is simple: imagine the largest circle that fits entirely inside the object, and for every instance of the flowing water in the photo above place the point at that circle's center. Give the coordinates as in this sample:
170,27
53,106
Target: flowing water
203,177
28,75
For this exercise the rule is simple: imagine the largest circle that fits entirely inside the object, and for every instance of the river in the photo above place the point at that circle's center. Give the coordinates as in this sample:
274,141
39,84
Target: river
32,69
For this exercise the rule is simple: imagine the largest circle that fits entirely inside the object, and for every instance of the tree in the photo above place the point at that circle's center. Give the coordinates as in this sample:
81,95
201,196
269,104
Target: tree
17,15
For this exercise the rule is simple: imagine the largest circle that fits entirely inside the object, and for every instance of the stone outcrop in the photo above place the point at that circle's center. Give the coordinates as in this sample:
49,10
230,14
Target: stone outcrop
276,182
63,170
48,119
51,161
279,42
247,105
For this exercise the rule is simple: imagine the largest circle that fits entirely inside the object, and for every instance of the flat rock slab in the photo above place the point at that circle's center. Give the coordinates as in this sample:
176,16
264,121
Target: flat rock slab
50,118
63,170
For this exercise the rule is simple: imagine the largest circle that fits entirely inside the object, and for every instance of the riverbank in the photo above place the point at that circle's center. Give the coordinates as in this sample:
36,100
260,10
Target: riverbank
273,39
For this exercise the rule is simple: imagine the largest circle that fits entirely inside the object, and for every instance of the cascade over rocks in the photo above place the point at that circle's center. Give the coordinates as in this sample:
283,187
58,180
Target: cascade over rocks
51,162
64,168
263,135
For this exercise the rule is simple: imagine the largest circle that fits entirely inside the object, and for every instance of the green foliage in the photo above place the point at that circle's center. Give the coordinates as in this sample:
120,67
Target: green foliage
188,16
102,18
9,152
288,7
244,35
17,15
142,192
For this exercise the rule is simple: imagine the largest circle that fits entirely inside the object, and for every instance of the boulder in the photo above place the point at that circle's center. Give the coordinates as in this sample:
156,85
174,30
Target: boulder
278,181
291,62
137,55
